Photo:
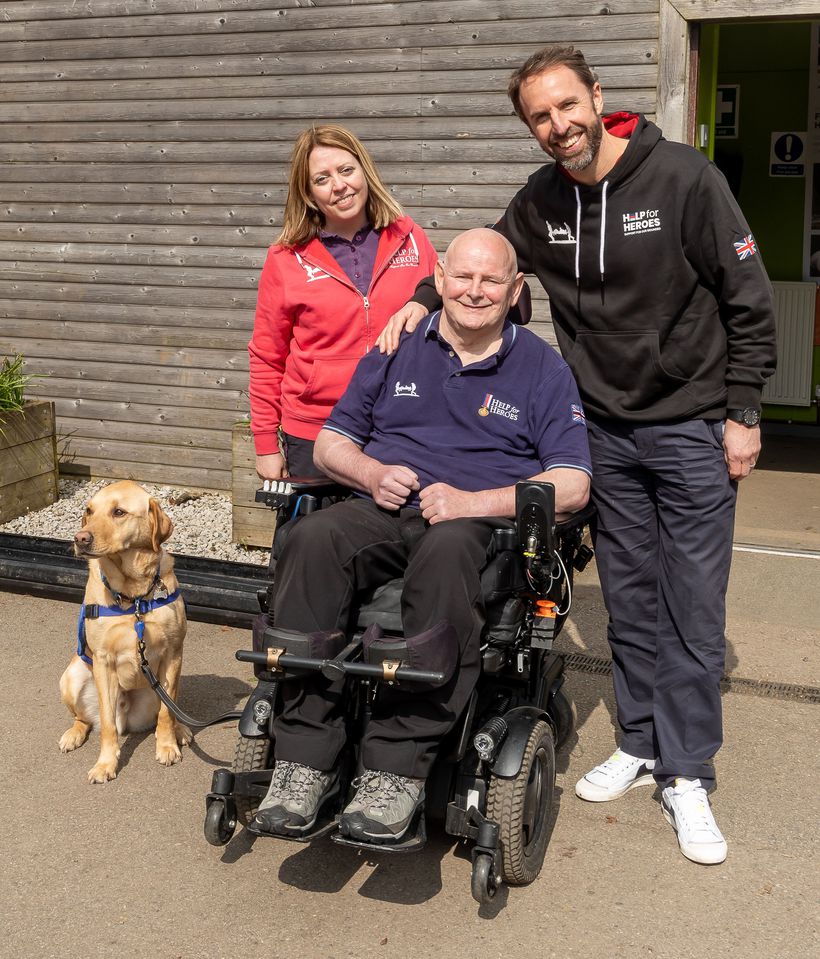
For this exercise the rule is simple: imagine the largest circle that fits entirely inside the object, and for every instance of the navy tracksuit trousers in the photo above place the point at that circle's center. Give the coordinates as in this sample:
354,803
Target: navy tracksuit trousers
664,547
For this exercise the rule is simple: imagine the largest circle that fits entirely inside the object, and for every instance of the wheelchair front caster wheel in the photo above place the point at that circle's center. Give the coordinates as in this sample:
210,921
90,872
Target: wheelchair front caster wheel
218,826
484,882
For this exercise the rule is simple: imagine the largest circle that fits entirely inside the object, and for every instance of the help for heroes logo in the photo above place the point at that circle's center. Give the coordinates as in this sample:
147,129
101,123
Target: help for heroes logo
498,408
641,221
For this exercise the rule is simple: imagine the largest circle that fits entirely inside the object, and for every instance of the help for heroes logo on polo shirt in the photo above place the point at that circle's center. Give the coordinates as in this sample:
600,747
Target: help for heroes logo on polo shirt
498,408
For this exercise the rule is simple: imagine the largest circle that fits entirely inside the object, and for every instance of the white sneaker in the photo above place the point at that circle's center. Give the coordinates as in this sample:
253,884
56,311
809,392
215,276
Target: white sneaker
686,808
620,773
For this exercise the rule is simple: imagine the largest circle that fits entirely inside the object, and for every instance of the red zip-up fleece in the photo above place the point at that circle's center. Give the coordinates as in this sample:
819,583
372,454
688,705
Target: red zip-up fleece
312,327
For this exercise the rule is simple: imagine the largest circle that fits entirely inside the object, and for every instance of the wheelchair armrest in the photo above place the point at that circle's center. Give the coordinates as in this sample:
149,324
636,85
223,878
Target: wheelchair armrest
575,520
285,492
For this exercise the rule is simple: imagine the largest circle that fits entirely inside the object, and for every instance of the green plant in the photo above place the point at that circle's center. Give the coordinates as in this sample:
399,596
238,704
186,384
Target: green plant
13,383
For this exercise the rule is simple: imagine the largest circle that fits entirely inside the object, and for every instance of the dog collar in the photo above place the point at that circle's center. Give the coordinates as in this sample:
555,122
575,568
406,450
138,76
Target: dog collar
157,587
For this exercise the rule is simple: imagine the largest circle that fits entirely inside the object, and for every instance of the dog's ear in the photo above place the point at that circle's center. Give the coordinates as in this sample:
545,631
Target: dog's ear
161,525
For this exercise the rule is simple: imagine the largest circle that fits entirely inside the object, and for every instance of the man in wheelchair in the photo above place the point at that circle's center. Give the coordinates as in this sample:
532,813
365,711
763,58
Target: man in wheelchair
433,438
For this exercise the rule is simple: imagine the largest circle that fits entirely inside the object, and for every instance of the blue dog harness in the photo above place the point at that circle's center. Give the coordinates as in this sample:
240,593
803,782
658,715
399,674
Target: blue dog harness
138,608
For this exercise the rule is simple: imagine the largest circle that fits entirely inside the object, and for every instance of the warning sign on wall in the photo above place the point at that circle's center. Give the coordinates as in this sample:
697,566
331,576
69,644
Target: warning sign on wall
788,154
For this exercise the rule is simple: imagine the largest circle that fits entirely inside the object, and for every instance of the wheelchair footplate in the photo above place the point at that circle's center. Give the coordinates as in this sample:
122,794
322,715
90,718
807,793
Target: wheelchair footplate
322,828
414,840
326,822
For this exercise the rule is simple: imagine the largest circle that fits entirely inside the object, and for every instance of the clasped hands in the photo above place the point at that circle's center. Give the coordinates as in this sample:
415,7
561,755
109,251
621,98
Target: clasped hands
392,486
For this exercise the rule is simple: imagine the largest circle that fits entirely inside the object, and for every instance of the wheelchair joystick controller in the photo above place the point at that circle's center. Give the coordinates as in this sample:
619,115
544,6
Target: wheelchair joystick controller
535,521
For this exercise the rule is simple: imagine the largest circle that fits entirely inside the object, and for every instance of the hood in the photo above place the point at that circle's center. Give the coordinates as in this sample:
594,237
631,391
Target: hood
643,137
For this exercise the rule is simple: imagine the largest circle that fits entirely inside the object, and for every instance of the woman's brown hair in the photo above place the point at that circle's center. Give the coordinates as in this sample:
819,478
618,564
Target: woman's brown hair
302,220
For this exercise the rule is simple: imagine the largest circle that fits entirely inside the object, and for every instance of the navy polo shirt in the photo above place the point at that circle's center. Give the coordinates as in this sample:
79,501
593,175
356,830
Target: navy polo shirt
483,426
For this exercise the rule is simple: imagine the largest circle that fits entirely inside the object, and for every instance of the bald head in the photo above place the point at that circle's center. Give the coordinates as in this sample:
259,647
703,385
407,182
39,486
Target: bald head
490,244
478,283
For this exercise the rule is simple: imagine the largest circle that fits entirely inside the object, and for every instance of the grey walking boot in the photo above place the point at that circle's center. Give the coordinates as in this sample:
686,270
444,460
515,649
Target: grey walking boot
383,807
296,795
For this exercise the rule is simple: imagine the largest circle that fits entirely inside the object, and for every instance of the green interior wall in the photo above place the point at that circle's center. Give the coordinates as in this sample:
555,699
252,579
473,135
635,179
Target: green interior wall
771,62
707,86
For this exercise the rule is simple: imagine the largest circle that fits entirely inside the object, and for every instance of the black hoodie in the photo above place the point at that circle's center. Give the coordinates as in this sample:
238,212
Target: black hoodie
659,298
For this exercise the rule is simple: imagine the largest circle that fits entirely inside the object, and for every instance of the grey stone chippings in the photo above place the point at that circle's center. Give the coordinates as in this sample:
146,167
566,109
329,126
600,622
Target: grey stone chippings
202,522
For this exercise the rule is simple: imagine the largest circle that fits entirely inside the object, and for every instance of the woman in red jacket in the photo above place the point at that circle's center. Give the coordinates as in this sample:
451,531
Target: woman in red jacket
346,260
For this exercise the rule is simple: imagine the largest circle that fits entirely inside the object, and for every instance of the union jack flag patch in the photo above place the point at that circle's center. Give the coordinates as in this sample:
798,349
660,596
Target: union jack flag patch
747,247
577,413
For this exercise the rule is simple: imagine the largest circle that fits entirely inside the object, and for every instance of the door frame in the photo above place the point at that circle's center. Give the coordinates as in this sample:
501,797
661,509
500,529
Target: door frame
677,51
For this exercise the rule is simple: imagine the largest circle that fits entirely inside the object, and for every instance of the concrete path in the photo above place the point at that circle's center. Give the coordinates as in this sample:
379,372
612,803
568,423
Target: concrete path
123,869
94,872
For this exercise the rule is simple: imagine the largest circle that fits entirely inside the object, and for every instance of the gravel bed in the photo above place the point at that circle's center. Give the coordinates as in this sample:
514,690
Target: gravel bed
202,522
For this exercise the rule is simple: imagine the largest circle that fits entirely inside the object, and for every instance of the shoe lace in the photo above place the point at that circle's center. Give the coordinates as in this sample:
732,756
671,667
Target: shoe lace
296,780
616,762
379,789
694,806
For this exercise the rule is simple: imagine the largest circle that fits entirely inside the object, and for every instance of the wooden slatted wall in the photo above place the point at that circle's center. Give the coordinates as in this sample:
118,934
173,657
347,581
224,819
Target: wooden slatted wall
144,148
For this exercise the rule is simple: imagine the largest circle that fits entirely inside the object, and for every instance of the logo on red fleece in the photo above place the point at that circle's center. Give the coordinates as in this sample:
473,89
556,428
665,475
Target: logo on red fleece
408,255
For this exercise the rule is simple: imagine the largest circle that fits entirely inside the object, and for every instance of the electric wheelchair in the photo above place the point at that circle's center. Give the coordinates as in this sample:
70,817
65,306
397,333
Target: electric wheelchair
494,776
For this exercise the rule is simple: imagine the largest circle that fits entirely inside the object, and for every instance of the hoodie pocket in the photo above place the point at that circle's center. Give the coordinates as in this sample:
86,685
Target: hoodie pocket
328,380
624,368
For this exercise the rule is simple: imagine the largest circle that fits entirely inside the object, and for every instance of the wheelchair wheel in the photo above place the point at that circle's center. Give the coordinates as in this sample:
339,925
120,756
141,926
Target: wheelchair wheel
483,884
251,756
562,709
521,807
218,827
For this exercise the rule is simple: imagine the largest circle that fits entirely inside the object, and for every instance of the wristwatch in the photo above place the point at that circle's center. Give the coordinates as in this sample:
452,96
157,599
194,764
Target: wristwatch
749,417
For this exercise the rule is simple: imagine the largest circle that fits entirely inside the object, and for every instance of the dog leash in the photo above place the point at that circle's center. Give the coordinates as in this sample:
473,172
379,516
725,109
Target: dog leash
138,608
156,685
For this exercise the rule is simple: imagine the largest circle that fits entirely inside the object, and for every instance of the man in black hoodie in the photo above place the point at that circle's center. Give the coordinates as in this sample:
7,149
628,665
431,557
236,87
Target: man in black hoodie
663,311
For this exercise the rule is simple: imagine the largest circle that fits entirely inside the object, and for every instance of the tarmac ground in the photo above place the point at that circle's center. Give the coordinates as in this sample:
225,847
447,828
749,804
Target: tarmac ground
124,870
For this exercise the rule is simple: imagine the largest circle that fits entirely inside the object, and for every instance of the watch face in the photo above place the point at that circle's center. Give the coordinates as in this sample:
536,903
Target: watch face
751,417
748,417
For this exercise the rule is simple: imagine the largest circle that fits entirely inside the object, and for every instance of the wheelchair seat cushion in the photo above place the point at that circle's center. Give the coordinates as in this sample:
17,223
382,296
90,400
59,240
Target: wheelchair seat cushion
502,576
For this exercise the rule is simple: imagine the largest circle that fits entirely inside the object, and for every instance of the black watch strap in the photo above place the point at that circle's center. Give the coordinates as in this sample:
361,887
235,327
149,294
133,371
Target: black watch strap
749,417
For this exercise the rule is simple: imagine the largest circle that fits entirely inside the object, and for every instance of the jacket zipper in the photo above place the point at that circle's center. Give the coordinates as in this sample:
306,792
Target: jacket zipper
364,296
366,322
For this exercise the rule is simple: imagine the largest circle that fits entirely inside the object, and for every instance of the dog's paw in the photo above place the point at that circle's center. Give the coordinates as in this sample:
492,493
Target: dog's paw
72,738
102,772
168,754
183,734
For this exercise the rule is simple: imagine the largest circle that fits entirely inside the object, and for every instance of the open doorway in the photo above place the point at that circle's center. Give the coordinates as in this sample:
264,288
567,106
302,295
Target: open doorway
758,96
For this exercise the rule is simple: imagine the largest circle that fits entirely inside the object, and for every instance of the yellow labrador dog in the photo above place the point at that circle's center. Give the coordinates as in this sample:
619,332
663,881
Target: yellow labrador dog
128,572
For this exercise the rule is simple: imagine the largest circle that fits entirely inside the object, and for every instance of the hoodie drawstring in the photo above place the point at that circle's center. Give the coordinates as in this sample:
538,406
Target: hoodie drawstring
578,234
603,230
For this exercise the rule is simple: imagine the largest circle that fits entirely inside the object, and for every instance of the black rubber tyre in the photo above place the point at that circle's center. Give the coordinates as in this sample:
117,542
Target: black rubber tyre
522,806
218,828
251,755
563,712
481,882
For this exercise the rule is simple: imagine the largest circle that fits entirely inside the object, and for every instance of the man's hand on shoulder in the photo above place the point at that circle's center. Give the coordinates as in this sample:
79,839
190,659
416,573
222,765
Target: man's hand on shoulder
441,502
407,318
391,486
741,446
